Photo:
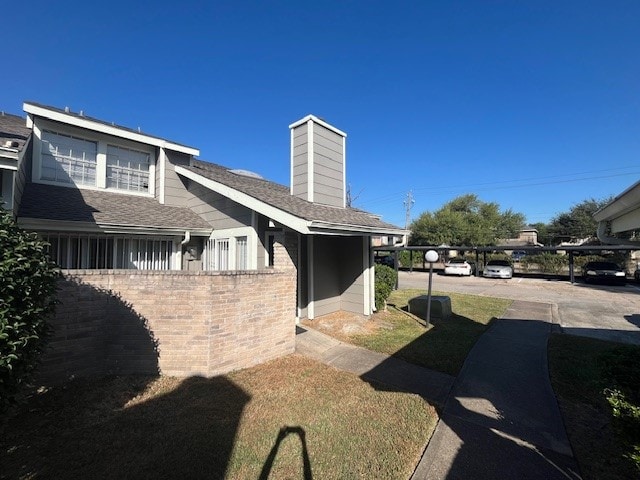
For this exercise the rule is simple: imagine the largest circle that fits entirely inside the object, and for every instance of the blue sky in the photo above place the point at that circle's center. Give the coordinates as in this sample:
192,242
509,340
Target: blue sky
533,105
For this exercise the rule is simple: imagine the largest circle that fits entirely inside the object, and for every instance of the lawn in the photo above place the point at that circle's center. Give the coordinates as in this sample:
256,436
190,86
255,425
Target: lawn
290,418
583,373
441,346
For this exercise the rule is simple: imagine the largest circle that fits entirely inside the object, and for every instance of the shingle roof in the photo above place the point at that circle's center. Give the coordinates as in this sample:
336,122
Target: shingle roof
50,202
13,128
279,196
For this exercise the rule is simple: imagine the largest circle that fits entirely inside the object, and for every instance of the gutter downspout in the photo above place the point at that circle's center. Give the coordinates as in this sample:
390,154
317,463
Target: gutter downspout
187,237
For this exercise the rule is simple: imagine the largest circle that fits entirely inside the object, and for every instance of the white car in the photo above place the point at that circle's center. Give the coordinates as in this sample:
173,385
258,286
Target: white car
458,266
498,269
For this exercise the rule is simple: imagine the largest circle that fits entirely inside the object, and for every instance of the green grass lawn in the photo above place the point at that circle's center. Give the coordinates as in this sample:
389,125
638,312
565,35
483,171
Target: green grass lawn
583,370
442,346
290,418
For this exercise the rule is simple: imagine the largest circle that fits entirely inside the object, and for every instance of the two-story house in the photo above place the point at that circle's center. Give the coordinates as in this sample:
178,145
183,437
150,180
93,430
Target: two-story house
108,197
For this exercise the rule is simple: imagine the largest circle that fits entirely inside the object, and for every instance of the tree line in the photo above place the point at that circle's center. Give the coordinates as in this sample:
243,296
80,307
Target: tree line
469,221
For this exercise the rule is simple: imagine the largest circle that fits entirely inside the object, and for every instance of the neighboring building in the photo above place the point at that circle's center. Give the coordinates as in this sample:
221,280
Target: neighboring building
109,197
13,139
527,237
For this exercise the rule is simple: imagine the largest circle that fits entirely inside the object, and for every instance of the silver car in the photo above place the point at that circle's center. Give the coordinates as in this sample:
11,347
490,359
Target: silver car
498,269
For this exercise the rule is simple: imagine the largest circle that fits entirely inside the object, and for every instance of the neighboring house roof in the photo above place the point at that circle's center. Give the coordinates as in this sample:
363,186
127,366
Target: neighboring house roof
13,135
302,215
63,204
81,120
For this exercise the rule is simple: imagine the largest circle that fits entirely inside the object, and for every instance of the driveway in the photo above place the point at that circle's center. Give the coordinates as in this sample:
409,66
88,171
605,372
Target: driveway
600,311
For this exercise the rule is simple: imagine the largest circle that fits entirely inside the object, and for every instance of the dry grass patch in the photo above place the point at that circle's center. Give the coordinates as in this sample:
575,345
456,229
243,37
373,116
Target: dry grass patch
289,418
441,346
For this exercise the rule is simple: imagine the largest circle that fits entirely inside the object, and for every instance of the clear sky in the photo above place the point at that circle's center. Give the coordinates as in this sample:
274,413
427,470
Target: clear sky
534,105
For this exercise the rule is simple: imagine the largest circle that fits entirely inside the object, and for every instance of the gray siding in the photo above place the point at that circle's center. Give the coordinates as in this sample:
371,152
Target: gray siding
352,275
328,164
219,211
175,190
300,161
327,268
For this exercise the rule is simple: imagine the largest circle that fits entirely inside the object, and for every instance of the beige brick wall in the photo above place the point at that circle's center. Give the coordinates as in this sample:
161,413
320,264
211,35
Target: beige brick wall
173,323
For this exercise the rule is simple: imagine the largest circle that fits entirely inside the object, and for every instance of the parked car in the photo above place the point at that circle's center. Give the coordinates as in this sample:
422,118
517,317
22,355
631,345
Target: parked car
385,260
498,269
459,266
606,272
518,255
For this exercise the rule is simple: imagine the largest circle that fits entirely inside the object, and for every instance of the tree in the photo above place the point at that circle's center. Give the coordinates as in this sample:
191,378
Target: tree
27,286
578,222
465,220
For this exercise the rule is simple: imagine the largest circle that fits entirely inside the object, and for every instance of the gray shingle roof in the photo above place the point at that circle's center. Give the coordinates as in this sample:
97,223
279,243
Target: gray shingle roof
278,196
49,202
13,128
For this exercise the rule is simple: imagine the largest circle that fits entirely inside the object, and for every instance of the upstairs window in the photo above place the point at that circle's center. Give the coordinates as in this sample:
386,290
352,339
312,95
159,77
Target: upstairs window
67,159
127,169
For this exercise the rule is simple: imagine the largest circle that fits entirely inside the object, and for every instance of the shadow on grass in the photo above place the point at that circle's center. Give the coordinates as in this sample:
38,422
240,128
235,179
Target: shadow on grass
282,434
112,431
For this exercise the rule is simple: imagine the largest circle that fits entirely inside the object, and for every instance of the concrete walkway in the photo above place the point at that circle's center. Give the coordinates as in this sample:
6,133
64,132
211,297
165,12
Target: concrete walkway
499,419
502,419
387,372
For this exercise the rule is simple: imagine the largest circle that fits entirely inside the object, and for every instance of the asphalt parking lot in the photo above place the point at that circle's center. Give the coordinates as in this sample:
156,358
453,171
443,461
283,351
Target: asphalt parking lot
608,312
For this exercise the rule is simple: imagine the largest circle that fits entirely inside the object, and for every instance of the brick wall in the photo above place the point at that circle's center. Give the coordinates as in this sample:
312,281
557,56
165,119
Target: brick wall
174,323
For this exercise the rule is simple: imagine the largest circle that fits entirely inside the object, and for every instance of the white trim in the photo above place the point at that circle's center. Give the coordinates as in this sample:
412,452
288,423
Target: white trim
366,266
68,226
344,173
162,165
319,122
299,280
89,124
372,281
291,164
311,313
9,163
310,162
291,221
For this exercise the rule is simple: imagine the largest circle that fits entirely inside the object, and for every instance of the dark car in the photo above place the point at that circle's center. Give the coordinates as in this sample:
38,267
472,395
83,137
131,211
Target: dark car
518,255
605,272
385,260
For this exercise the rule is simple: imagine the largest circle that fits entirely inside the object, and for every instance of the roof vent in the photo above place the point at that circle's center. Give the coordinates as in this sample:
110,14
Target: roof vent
66,110
247,173
81,113
11,144
139,131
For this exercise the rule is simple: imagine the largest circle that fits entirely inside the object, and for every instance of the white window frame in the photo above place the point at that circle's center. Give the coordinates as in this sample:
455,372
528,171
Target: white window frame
232,234
102,142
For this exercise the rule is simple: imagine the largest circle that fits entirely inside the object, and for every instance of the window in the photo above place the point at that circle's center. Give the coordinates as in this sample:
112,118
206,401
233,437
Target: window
67,159
227,253
71,251
127,169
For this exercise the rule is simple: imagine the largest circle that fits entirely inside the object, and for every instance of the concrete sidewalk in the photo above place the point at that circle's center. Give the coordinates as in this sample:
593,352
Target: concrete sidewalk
502,419
387,372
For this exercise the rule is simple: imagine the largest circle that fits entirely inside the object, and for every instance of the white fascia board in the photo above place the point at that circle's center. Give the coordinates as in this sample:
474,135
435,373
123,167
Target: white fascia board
9,163
623,203
354,229
295,223
319,122
86,227
88,124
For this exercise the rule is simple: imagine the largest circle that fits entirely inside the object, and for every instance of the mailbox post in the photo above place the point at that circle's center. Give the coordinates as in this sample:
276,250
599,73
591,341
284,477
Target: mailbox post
431,256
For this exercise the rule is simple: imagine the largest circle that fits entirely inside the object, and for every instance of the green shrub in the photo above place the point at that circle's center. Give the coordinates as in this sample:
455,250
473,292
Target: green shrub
386,278
621,368
27,286
547,262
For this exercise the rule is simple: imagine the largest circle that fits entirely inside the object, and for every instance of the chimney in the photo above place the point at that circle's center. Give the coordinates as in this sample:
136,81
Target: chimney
318,162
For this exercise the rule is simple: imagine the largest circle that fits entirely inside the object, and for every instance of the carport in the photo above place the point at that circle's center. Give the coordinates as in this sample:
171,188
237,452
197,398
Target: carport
571,252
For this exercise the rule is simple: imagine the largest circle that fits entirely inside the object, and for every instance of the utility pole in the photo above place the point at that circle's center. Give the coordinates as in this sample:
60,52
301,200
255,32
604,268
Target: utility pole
408,203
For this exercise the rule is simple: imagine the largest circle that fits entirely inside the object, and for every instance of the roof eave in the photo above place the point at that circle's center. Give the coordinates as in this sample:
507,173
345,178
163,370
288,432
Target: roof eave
90,124
29,223
625,202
